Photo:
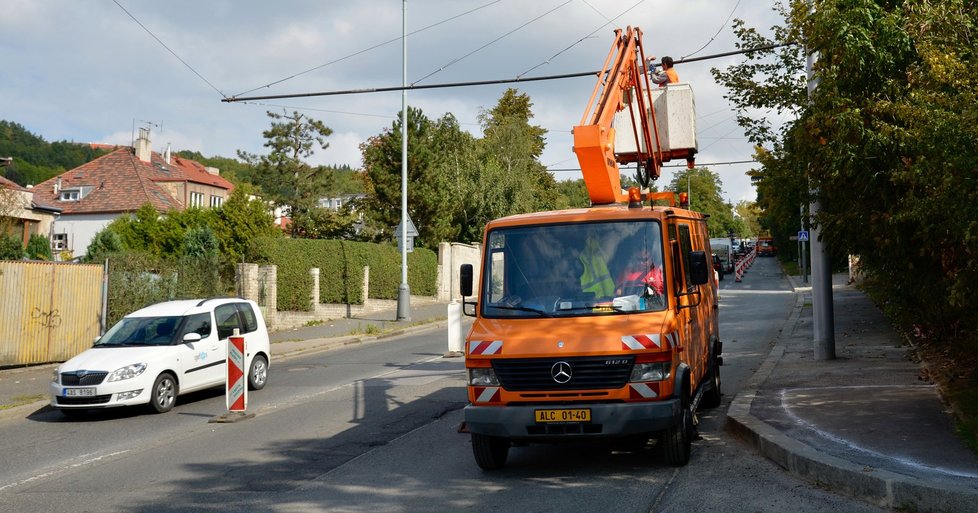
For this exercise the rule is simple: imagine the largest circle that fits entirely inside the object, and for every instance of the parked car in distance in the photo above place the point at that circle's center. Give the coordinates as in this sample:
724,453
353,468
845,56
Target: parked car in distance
162,351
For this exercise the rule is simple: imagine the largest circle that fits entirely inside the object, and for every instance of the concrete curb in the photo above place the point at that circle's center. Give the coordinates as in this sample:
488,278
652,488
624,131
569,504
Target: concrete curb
882,487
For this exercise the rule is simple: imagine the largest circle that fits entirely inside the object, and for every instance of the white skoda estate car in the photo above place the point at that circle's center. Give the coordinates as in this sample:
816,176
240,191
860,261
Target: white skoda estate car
159,352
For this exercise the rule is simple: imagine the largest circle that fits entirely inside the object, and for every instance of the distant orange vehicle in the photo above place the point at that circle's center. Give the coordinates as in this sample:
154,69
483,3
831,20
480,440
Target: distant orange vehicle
597,322
766,247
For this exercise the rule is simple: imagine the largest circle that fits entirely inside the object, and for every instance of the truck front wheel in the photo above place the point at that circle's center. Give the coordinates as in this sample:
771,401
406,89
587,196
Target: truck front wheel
490,451
677,439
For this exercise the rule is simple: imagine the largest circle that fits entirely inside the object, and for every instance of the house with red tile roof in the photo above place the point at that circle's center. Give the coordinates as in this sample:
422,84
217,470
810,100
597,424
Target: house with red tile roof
26,214
92,195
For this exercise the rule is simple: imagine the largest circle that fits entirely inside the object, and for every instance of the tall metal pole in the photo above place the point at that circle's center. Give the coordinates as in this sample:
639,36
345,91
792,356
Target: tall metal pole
823,317
404,291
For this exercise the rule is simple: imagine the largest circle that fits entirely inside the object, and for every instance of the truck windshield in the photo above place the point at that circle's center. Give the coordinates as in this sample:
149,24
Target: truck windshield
606,268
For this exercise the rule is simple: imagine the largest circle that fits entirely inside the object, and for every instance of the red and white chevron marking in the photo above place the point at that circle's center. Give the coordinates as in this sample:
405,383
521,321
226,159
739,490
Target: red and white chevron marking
643,390
648,341
486,394
485,347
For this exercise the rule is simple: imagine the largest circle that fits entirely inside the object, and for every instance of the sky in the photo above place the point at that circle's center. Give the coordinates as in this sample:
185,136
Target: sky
95,71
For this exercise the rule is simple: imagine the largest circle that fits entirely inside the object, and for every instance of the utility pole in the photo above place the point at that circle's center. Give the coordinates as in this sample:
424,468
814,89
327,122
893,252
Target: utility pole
823,316
404,291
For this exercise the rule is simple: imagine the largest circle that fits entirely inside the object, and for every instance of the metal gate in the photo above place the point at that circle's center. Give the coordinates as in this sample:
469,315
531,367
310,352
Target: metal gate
49,311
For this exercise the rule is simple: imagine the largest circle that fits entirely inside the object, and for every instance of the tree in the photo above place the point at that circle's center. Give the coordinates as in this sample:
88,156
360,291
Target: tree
887,140
39,248
432,148
706,195
283,175
105,243
10,247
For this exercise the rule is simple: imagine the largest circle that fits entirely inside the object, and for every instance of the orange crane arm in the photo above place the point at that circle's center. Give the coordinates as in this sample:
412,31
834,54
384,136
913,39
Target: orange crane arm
622,78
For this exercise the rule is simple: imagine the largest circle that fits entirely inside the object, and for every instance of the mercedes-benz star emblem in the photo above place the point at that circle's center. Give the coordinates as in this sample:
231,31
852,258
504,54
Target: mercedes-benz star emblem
561,372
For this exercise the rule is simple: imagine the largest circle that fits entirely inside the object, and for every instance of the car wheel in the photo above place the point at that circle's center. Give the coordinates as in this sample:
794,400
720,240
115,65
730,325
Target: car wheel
490,451
677,439
258,373
164,393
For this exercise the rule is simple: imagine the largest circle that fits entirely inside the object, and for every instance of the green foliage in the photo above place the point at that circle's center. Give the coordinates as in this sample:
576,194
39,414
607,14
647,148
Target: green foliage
36,160
105,243
888,141
11,248
325,223
705,195
457,183
341,266
282,175
39,248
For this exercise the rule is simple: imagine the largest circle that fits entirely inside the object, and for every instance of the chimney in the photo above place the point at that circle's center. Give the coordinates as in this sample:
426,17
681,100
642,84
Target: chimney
213,170
57,186
166,153
143,150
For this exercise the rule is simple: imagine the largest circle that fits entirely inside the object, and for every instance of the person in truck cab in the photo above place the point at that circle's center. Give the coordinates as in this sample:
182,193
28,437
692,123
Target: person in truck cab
595,278
640,273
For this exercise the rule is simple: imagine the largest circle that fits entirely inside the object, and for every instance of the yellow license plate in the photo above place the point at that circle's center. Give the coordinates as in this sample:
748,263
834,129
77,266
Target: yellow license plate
574,415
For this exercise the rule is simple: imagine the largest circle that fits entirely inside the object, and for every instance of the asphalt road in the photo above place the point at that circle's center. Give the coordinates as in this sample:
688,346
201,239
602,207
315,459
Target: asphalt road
375,428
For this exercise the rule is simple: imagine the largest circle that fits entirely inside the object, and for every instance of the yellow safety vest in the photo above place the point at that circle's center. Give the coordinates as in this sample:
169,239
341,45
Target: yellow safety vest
596,278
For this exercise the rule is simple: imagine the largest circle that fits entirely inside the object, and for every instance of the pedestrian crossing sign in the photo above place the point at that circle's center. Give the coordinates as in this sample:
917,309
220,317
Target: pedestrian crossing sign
803,236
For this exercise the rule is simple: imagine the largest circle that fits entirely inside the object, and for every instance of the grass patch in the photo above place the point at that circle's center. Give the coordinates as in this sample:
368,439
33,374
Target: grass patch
318,322
21,400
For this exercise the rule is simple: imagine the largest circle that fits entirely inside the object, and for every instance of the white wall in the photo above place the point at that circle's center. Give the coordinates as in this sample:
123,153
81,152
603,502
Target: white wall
81,229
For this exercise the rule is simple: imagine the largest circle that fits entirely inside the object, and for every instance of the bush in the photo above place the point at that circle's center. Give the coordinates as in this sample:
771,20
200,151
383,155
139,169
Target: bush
39,248
341,266
11,248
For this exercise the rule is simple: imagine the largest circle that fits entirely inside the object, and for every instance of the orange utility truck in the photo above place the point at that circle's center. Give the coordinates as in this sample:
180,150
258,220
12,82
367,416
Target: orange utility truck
600,322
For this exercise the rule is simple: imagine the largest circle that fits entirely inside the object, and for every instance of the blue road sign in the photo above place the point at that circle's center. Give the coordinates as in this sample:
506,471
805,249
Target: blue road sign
803,236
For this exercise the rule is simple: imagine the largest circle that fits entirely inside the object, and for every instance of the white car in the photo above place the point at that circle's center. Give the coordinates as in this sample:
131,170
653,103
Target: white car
159,352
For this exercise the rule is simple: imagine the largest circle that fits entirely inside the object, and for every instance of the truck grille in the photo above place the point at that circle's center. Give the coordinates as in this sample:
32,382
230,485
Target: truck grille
77,379
588,372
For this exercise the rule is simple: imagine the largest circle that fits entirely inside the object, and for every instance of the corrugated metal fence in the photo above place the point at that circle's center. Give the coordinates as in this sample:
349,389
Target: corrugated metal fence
49,311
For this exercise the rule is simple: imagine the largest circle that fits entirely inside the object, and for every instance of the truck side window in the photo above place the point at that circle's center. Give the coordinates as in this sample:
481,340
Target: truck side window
686,247
677,267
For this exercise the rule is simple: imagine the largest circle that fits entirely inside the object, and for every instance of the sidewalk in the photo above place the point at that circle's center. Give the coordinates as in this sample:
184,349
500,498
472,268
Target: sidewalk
863,424
25,390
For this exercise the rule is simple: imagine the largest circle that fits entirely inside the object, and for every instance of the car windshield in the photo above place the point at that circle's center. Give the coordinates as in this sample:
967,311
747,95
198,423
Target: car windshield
606,268
141,331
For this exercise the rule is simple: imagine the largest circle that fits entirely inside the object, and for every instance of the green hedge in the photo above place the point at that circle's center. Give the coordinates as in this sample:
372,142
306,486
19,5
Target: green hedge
341,266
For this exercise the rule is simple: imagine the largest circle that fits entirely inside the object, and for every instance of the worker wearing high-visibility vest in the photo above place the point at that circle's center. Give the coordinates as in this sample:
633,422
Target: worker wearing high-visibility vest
596,278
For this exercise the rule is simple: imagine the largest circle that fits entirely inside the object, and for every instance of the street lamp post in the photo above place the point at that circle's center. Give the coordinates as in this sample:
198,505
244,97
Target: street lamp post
404,291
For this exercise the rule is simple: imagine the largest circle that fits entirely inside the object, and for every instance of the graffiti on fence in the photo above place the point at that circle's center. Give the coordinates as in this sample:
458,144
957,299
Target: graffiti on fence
50,319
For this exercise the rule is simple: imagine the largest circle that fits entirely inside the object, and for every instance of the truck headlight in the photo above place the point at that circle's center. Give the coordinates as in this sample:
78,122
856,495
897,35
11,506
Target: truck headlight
657,371
127,372
483,377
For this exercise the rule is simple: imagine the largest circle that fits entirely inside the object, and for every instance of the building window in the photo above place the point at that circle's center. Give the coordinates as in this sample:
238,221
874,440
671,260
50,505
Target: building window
196,199
70,195
59,241
216,201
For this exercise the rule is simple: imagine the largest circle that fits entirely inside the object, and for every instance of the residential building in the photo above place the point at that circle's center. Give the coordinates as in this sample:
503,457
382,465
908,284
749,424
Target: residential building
92,195
27,215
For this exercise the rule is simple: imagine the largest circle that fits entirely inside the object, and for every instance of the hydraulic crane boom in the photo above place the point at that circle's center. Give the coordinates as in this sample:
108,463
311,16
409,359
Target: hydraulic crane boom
623,82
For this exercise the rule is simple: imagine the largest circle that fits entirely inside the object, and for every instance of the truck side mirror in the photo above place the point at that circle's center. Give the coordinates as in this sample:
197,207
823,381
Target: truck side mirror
699,270
465,280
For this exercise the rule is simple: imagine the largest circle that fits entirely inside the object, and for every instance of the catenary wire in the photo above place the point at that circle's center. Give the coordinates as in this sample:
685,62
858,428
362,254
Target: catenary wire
169,50
521,27
365,50
722,25
552,57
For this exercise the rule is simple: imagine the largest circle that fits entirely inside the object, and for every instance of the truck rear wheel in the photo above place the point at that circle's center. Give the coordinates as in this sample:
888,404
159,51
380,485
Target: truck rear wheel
677,439
490,451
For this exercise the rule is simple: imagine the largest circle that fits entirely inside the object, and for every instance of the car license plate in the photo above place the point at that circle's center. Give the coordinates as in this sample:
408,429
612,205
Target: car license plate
571,415
80,392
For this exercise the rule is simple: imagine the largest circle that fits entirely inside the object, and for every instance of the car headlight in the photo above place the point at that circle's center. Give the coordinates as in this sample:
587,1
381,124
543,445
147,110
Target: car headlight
56,378
658,371
483,376
127,372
